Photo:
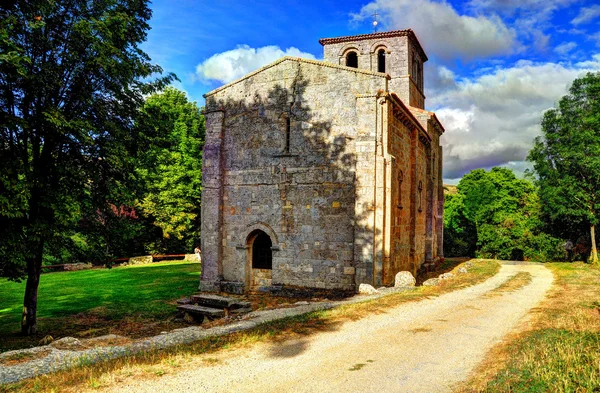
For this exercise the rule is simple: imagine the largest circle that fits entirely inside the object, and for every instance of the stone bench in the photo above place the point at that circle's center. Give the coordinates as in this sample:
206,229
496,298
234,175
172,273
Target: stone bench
197,313
219,302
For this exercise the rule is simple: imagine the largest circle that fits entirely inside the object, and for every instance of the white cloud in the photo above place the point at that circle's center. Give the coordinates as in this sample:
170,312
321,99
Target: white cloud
509,7
233,64
586,14
492,119
565,48
444,32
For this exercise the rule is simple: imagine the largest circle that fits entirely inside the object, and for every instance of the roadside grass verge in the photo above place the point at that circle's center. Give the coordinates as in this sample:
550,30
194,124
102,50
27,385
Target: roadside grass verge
560,351
153,364
517,281
133,300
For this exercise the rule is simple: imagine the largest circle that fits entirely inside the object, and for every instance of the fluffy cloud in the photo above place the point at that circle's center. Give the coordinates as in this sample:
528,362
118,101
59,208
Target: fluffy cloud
233,64
493,118
586,14
444,32
564,49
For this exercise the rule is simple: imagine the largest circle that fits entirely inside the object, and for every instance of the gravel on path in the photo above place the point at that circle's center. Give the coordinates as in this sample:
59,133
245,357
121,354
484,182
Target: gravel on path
425,346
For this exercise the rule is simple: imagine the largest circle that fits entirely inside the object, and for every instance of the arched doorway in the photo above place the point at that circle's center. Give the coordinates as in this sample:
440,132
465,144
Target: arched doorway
262,255
261,259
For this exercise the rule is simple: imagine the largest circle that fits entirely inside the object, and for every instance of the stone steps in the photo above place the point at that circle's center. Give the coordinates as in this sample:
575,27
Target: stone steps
197,307
219,301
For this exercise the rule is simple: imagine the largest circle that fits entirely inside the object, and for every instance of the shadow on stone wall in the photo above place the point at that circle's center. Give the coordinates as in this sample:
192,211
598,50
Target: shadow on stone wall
313,143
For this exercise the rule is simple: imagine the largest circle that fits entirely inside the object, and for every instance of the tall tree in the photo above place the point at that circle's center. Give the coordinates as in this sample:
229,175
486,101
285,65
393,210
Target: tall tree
72,77
496,215
566,157
172,134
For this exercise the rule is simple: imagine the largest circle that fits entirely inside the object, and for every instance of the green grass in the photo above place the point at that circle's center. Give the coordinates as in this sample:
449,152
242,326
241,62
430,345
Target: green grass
561,350
87,301
148,364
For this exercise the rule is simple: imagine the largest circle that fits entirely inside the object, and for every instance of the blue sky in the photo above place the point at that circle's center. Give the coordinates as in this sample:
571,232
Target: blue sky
494,65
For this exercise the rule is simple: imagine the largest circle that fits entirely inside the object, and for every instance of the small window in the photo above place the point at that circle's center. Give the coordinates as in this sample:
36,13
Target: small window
381,60
420,189
287,134
352,60
400,181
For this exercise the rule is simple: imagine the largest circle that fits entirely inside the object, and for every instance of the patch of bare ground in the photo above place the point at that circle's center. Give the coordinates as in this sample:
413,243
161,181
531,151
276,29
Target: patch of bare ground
19,358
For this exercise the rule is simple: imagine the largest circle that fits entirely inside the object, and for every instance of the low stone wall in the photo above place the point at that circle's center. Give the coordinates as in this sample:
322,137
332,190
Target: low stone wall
140,260
77,266
191,257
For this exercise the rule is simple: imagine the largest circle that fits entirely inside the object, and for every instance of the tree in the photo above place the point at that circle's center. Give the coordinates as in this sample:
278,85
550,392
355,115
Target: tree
72,77
172,133
566,157
497,215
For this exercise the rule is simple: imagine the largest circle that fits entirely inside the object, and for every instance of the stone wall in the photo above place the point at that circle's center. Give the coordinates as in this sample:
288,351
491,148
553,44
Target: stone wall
401,52
140,260
302,197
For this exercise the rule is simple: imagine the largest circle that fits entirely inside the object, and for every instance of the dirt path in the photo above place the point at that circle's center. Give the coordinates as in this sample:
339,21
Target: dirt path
426,346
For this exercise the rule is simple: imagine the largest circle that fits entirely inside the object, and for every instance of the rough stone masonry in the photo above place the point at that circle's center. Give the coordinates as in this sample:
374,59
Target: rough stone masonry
323,174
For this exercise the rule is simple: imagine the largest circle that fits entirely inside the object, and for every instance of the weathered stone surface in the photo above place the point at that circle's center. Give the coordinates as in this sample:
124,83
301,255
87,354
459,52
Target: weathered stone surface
468,264
77,266
185,300
446,276
295,151
462,270
234,287
366,289
200,310
66,343
432,282
215,301
140,260
191,258
404,279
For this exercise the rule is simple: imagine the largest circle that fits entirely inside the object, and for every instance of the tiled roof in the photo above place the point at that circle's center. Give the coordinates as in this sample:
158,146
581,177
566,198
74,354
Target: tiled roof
383,34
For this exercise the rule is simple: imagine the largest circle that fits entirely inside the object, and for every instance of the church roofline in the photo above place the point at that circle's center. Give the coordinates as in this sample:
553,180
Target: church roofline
407,110
384,34
299,60
432,114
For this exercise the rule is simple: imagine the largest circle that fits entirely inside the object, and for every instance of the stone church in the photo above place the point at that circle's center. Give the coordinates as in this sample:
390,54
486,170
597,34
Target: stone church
323,174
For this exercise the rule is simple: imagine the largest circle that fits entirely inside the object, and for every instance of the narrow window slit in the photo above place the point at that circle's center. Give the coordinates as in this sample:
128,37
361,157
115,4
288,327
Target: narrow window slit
287,134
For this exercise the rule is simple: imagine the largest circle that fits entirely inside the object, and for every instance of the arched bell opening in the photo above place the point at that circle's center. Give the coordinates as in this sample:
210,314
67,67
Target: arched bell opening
352,59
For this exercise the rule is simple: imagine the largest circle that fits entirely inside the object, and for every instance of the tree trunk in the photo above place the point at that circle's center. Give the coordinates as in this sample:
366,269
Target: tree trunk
594,250
34,269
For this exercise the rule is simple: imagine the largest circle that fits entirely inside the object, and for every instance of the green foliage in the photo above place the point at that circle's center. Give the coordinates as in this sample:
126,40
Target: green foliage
72,77
566,158
496,215
172,134
460,234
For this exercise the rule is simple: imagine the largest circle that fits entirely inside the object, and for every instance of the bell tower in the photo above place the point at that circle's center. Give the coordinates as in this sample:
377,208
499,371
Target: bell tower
397,53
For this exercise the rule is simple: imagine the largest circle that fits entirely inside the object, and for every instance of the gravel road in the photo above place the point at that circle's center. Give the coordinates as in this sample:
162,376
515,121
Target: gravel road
427,346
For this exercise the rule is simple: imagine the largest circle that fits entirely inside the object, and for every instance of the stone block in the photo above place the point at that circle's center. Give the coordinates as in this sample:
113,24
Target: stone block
404,279
141,260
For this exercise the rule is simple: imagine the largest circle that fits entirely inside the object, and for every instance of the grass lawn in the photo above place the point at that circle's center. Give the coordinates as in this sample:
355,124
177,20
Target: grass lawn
156,363
560,351
131,300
